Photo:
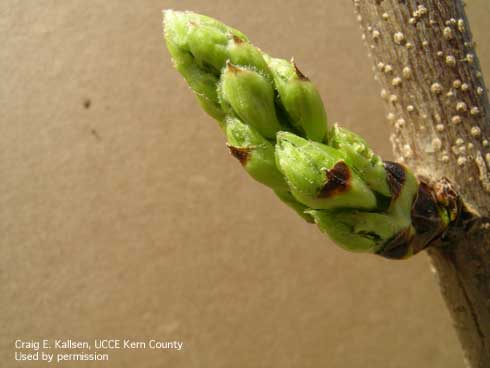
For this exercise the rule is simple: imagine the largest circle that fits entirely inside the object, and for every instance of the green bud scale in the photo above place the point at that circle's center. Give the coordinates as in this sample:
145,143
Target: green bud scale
276,126
250,96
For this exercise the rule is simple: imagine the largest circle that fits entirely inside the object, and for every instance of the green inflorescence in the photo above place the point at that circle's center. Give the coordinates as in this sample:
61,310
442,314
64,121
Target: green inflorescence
276,125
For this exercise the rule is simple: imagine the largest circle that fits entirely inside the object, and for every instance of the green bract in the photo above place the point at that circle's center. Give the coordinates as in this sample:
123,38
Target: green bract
358,154
318,175
300,99
359,231
250,96
254,152
275,124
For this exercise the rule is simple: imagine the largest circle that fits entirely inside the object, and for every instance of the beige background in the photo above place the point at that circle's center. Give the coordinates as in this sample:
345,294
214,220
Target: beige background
128,218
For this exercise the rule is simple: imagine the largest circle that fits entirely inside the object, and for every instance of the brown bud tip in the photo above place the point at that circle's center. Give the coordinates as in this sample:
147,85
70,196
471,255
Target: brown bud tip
425,215
447,197
240,153
299,74
426,219
338,180
445,192
232,68
237,39
395,176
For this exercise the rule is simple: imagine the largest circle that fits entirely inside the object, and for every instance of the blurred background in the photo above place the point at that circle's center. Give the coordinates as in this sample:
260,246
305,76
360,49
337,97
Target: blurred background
122,214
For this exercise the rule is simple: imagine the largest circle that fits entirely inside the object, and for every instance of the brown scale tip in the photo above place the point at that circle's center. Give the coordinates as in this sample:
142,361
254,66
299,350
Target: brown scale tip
445,194
299,74
338,180
237,39
425,215
232,68
426,220
242,154
395,176
448,197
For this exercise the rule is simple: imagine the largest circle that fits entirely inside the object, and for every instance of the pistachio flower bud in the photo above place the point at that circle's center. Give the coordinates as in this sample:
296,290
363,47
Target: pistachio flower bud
208,45
255,153
318,175
359,231
195,18
300,99
250,97
330,177
178,24
243,53
199,48
202,82
361,158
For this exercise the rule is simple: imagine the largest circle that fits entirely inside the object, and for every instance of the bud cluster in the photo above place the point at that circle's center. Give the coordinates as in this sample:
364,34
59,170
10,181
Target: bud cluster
276,126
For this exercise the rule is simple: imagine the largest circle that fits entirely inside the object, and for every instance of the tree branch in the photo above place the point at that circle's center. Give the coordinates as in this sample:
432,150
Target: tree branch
437,103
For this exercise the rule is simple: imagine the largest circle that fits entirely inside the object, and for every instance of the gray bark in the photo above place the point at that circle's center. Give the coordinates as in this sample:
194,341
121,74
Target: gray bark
437,104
